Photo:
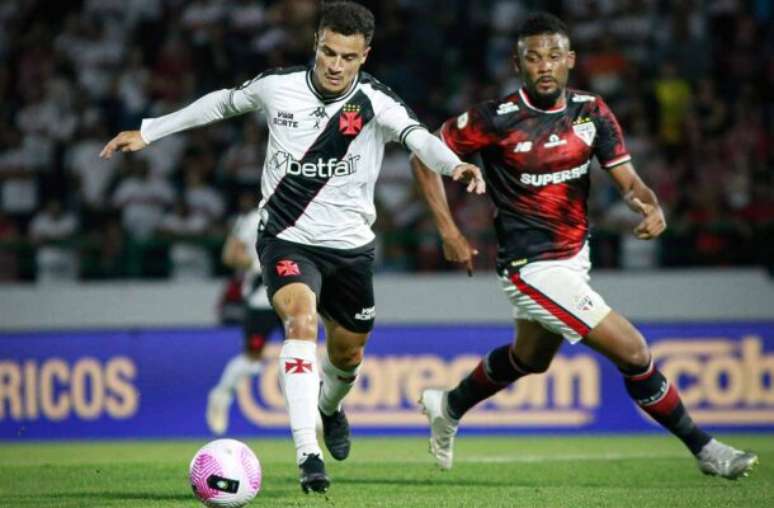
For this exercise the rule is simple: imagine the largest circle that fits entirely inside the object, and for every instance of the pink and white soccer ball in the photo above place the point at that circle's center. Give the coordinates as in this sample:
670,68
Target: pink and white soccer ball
225,473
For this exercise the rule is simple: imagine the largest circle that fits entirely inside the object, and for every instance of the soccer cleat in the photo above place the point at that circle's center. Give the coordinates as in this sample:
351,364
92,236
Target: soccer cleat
336,434
718,459
218,405
442,428
313,475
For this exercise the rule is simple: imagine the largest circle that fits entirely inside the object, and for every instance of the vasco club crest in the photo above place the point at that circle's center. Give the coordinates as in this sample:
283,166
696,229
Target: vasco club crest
350,121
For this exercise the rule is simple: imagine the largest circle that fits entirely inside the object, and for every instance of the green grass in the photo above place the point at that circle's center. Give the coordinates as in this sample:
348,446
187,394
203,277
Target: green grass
651,471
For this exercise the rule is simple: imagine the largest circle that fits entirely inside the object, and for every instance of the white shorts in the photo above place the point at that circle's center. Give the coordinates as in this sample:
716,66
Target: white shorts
557,295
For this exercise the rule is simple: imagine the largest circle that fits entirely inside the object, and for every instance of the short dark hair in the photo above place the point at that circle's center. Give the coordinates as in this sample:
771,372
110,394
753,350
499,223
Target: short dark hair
347,18
543,23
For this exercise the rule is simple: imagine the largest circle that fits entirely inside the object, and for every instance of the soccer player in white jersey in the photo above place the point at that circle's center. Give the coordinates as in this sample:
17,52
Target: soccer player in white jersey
536,145
259,319
328,125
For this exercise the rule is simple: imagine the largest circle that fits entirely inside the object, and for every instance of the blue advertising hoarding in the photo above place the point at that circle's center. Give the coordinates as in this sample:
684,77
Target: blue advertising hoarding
154,383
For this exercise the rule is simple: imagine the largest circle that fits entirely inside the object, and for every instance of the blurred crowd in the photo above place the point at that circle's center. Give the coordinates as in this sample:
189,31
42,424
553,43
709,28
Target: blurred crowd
691,81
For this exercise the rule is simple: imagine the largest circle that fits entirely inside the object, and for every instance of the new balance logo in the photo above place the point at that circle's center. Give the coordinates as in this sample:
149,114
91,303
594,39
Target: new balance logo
297,366
366,314
523,147
287,268
507,107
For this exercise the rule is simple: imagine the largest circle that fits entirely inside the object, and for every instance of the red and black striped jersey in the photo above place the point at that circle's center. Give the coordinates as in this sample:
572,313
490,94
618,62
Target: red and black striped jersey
536,165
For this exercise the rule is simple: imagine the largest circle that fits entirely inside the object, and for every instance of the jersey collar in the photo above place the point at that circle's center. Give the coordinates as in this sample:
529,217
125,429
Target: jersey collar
525,99
328,99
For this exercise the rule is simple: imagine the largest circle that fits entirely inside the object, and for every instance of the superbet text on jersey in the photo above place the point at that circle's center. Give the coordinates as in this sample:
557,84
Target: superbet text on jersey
536,166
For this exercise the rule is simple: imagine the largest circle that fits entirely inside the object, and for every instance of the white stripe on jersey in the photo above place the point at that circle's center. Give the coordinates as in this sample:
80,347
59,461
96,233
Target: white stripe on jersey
339,214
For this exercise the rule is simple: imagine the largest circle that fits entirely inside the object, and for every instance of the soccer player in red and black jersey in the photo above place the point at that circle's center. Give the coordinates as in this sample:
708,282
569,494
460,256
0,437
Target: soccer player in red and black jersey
536,145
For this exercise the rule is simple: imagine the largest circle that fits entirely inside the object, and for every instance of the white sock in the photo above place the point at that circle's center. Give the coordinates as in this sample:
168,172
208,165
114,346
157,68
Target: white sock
300,382
336,384
237,369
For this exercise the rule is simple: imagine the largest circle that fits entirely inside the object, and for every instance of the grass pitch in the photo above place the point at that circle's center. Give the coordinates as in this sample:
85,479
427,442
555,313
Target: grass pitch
642,471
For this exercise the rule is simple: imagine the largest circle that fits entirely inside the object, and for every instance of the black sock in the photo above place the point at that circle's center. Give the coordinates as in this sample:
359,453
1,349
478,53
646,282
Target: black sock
659,398
496,371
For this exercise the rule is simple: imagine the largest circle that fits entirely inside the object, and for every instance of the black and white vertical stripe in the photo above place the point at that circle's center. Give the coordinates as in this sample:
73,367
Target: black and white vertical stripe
294,193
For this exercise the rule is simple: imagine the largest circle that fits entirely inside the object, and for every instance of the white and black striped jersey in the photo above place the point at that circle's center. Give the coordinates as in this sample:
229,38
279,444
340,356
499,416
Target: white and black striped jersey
323,155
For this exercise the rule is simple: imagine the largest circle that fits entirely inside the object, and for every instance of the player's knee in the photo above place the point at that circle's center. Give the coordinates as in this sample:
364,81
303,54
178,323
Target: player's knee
635,360
504,366
532,364
301,323
347,358
296,305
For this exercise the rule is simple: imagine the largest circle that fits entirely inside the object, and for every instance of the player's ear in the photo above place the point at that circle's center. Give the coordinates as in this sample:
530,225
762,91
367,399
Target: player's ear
571,59
365,55
515,58
315,40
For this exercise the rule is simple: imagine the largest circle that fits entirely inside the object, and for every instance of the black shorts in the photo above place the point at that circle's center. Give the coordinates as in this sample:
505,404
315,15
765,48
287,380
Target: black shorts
258,325
341,279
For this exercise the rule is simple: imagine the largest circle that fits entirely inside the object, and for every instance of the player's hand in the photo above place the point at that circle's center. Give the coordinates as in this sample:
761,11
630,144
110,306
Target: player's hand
653,222
126,141
457,249
470,174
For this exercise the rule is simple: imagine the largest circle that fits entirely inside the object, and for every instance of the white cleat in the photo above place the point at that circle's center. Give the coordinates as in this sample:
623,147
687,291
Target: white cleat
718,459
218,405
442,428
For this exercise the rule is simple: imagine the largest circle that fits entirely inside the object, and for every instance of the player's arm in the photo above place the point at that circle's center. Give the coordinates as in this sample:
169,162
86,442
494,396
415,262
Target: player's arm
466,134
210,108
640,198
456,247
436,156
611,152
401,124
235,254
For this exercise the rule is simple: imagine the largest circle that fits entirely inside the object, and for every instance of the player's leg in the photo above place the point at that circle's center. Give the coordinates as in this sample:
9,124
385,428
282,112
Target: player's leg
339,370
541,294
531,353
299,378
617,339
293,280
258,324
348,310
